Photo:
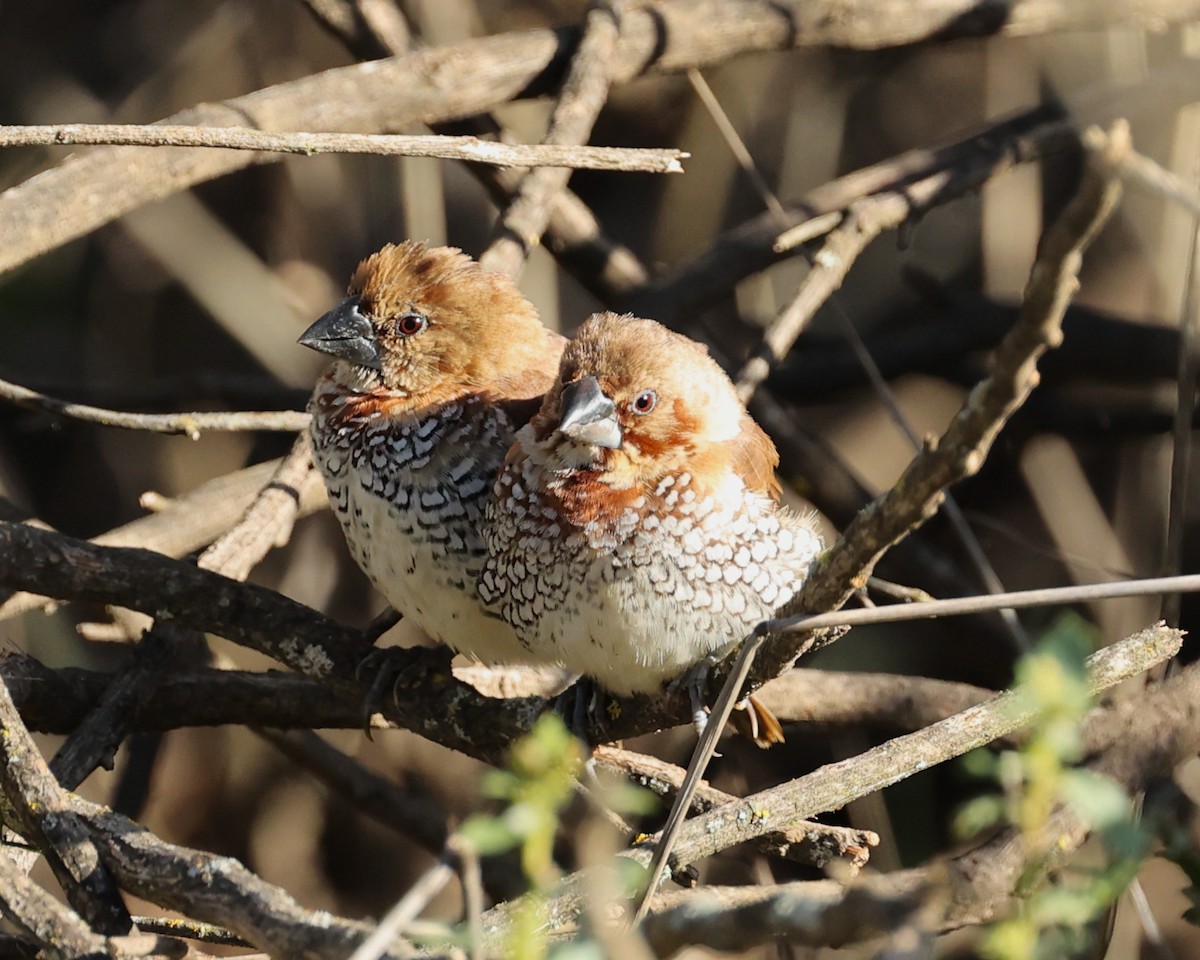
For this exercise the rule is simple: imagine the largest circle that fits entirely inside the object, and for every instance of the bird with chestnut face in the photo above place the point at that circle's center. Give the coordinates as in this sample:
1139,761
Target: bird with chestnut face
436,364
635,531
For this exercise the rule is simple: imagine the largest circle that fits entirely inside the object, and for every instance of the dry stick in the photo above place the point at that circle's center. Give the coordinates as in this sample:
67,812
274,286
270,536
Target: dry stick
215,889
818,288
371,28
840,251
1135,168
406,909
188,522
190,424
57,929
818,844
56,701
820,913
939,174
192,930
310,643
964,445
737,145
864,220
556,154
40,809
264,620
268,521
713,729
583,95
930,609
954,513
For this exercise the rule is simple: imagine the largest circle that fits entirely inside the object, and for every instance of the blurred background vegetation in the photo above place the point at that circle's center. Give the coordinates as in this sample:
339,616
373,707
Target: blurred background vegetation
195,303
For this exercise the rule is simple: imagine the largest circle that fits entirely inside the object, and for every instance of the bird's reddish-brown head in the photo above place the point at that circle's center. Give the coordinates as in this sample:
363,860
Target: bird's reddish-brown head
425,326
635,403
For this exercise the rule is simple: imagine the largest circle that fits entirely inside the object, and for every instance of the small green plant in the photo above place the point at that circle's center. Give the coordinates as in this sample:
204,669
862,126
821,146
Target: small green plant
539,780
1037,778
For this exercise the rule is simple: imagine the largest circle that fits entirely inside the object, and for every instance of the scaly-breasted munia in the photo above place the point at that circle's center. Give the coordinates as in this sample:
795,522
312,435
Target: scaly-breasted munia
437,364
635,531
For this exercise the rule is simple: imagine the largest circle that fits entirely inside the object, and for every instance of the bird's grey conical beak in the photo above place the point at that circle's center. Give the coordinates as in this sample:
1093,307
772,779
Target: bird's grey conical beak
346,333
588,416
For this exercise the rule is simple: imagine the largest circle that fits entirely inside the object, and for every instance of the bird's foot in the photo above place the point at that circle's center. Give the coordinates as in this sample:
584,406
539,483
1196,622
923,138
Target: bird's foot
695,681
391,667
752,718
581,707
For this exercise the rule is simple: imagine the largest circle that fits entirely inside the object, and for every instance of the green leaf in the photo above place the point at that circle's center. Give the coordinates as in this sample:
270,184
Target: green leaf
1096,798
489,835
978,814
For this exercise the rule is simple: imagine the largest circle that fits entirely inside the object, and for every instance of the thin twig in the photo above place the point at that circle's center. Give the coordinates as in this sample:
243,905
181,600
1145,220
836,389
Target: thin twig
191,929
703,753
951,509
807,841
188,522
190,424
407,909
571,156
583,95
737,146
863,222
1139,169
267,522
961,606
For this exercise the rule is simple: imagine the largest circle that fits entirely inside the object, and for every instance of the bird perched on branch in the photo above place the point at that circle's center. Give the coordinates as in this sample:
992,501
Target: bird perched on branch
635,532
437,363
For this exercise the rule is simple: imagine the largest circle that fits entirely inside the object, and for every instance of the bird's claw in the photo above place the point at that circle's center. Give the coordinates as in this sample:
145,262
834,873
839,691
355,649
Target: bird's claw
695,681
391,666
581,707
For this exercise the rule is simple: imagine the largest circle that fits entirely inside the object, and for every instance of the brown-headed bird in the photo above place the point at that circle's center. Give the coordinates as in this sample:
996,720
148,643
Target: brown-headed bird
636,531
437,364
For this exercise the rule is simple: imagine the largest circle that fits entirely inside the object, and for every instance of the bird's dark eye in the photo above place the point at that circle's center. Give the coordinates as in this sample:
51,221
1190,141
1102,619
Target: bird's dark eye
411,323
645,401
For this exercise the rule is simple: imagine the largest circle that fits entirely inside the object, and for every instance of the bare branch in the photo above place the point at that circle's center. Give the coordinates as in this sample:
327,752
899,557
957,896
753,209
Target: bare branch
818,914
267,522
39,808
864,220
191,424
583,95
188,522
961,606
1138,169
809,842
470,149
